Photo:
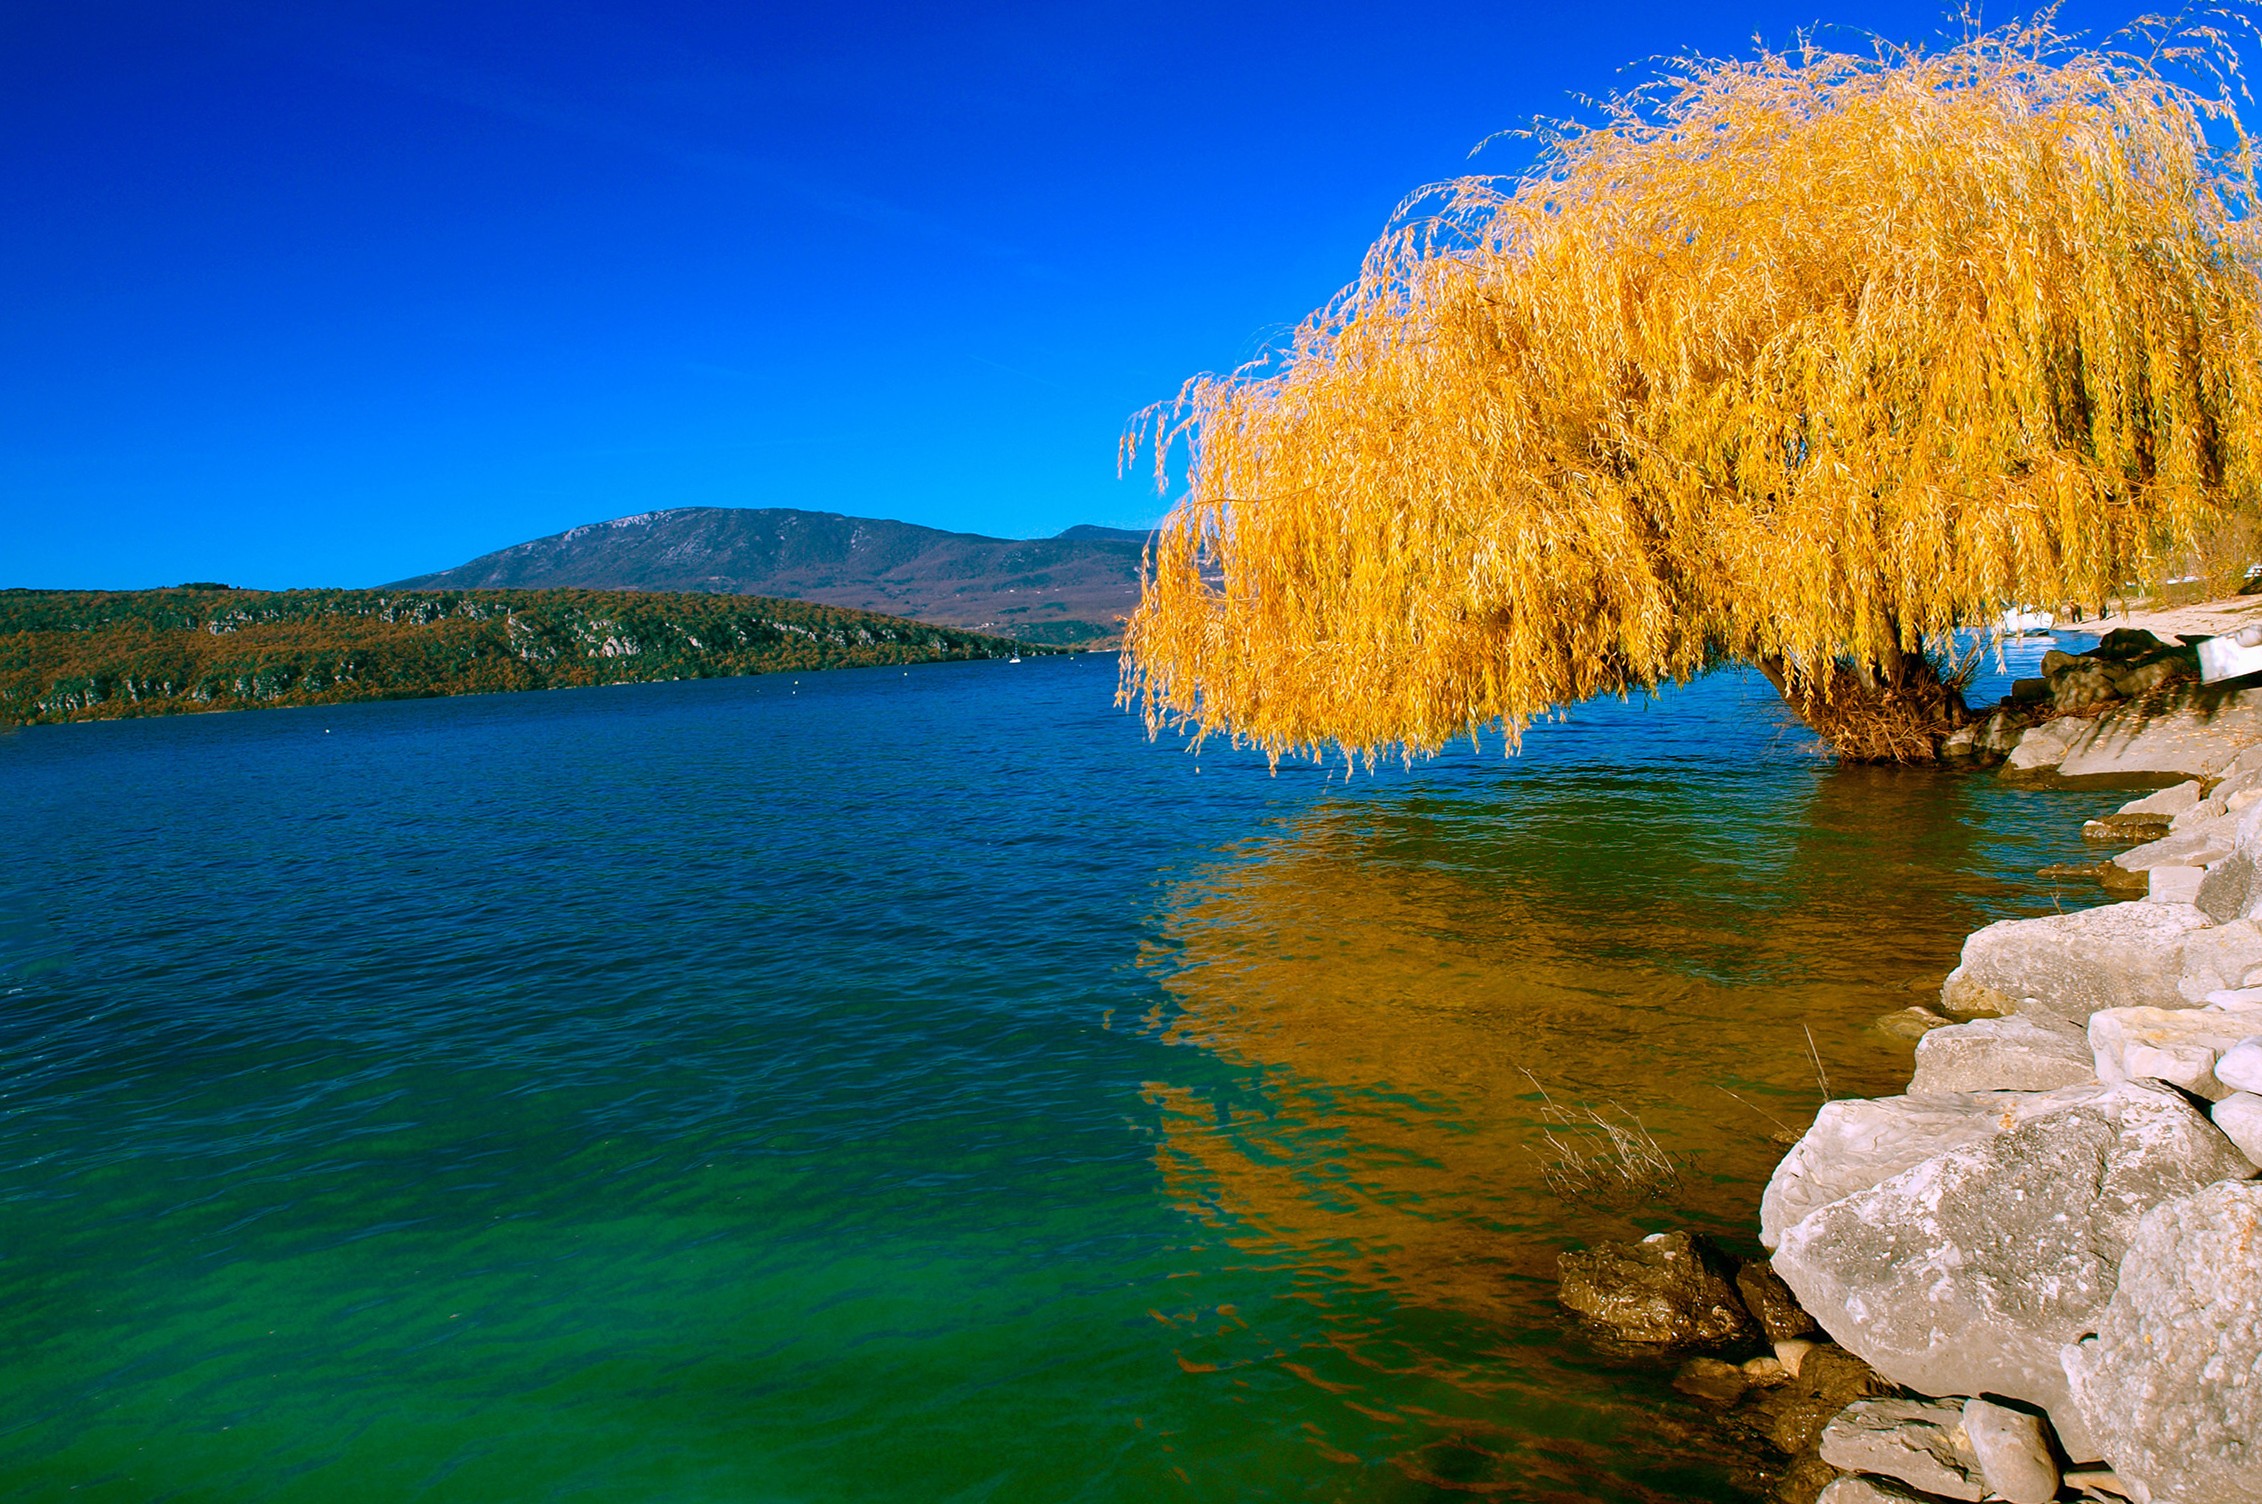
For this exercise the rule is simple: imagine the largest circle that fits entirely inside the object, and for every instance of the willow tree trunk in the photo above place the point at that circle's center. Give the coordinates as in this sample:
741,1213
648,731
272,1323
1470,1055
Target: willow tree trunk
1900,711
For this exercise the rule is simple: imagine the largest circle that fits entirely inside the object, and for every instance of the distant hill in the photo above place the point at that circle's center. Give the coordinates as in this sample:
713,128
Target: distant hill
74,655
1073,588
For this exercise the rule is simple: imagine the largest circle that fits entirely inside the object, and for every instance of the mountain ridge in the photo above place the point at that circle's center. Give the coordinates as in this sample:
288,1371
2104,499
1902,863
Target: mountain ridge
1074,587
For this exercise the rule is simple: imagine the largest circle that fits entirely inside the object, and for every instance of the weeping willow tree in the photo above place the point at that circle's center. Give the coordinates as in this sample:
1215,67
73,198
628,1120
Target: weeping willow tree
1803,361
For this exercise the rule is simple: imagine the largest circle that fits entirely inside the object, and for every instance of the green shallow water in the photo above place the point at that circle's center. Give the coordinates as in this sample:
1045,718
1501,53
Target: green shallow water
887,1086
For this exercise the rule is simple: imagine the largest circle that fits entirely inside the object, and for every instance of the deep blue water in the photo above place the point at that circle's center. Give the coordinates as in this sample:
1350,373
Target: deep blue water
887,1085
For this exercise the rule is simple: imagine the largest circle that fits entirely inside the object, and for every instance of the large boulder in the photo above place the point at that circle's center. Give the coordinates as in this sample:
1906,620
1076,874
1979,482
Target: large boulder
2177,1045
1968,1273
2170,1382
1858,1142
1671,1289
2070,965
2021,1053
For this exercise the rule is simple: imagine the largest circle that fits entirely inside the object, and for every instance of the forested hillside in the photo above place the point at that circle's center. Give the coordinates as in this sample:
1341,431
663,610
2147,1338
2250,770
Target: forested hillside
81,655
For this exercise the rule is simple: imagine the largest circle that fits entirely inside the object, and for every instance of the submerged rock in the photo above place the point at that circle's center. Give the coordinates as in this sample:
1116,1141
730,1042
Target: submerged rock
1910,1023
2013,1448
2071,965
1671,1289
1828,1380
2021,1053
1772,1304
1968,1273
1917,1442
2170,1384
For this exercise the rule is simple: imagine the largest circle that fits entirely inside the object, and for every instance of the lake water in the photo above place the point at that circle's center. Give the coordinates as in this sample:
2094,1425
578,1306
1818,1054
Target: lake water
906,1086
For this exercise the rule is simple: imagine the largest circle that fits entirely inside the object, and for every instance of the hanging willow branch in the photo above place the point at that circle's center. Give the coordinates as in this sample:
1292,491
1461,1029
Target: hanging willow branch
1803,360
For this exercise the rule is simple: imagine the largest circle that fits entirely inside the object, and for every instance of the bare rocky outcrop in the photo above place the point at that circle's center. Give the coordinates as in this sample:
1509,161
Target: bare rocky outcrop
2169,1381
1969,1272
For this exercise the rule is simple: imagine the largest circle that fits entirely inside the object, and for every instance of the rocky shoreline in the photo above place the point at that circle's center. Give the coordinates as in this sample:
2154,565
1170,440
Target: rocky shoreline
2037,1274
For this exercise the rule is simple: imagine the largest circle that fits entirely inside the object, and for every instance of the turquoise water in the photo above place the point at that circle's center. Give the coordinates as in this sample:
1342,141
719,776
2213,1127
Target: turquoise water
904,1086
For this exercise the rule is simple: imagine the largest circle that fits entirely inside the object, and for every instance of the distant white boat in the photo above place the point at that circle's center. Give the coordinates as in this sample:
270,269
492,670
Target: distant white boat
1016,658
2020,621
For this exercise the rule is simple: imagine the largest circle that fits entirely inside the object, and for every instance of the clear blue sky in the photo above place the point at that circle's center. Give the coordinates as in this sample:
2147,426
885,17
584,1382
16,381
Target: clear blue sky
335,293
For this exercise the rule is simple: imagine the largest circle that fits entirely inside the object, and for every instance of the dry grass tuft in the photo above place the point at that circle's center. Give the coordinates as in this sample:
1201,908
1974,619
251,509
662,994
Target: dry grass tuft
1603,1159
1802,360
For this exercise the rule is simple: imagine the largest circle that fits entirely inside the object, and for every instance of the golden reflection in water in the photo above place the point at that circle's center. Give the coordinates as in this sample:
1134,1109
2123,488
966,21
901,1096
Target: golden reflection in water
1388,977
1379,978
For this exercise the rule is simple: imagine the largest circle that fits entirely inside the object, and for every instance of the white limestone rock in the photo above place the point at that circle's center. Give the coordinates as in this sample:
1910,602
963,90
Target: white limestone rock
1858,1142
2166,803
2233,889
2043,748
2173,884
2070,965
2020,1053
2239,1115
2216,958
2170,1382
1969,1272
1918,1442
2177,1045
2194,847
2014,1453
2205,812
2240,1066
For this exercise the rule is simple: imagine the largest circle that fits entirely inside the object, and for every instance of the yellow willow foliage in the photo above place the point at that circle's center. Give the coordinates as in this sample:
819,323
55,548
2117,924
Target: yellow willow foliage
1805,359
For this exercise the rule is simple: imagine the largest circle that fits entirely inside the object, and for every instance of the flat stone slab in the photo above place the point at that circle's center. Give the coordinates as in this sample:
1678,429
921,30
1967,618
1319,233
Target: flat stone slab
2070,965
1970,1272
2170,1385
1917,1442
2020,1053
2193,846
2166,803
2196,735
